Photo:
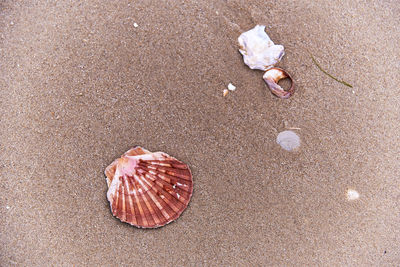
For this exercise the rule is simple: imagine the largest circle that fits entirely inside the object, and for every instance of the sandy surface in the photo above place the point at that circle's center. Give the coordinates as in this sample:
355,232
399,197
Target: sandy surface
80,85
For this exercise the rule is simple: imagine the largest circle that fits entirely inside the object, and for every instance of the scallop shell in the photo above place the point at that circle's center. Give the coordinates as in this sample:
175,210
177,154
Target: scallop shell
258,50
148,189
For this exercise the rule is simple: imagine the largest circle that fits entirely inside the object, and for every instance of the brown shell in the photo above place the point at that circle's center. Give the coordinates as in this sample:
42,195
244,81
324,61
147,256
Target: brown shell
148,189
273,76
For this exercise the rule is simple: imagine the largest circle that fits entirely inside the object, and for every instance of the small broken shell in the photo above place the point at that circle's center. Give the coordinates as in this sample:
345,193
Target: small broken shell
231,87
273,76
352,194
258,50
148,189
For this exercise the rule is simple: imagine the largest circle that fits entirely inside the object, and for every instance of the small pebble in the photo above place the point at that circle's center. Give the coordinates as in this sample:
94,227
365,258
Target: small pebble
226,92
135,25
352,194
8,207
231,87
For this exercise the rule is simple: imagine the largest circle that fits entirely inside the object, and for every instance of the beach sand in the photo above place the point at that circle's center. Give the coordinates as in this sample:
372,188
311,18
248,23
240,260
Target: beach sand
80,85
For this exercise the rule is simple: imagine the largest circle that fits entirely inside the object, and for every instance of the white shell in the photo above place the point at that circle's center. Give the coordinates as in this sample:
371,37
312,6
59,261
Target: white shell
231,87
258,50
352,194
288,140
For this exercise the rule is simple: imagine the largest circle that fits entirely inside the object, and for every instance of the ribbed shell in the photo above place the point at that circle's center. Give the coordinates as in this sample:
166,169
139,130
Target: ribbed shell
148,189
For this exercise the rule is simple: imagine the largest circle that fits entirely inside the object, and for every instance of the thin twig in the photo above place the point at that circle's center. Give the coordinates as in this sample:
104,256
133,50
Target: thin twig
321,69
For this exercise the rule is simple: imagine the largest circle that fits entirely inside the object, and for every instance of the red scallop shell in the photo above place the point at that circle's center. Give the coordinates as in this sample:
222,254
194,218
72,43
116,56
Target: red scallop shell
148,189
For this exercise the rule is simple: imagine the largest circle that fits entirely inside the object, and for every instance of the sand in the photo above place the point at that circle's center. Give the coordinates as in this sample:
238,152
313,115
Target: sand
80,85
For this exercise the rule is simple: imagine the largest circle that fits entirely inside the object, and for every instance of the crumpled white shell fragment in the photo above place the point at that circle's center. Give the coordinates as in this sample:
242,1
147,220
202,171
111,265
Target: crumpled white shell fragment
288,140
258,50
231,87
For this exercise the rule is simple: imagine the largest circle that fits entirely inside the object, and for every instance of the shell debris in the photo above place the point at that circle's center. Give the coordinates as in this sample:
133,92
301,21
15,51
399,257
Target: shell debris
352,194
135,25
260,53
226,91
231,87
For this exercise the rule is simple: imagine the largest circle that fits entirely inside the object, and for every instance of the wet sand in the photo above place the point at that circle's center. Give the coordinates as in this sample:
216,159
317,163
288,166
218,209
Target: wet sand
80,85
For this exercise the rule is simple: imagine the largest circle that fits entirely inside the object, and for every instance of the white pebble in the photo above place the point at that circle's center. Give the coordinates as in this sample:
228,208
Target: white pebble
231,87
288,140
135,25
8,207
352,194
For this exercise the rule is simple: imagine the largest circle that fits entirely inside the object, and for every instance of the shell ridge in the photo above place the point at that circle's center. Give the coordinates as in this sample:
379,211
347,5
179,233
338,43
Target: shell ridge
167,170
173,163
149,210
172,177
185,195
160,189
122,185
128,204
119,205
139,205
158,216
168,196
183,188
166,208
115,203
135,206
156,199
143,201
120,199
158,209
168,177
141,179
